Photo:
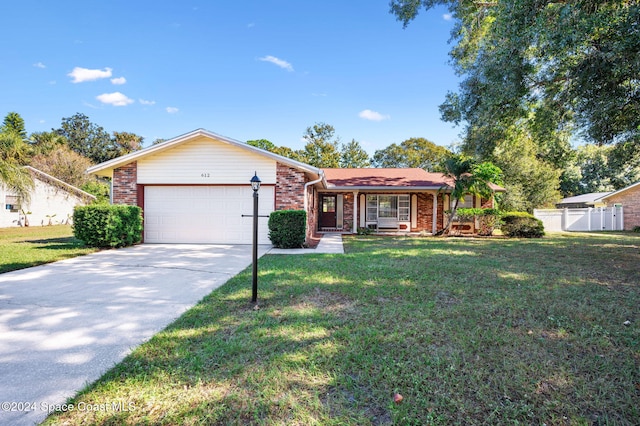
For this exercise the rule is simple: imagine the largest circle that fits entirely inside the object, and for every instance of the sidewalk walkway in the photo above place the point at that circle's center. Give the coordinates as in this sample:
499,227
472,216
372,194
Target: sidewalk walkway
329,244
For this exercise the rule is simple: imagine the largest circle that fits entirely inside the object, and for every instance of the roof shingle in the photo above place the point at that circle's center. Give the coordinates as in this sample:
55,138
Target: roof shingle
393,178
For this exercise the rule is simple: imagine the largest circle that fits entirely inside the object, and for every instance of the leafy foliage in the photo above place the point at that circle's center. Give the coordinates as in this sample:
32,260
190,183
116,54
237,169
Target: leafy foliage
488,219
64,164
466,176
414,152
92,141
14,123
42,143
263,144
555,71
601,168
86,138
522,225
529,180
322,148
126,142
13,156
102,225
99,189
287,228
352,155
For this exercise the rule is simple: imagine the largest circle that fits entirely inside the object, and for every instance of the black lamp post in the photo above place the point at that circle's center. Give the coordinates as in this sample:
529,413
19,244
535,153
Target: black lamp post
255,185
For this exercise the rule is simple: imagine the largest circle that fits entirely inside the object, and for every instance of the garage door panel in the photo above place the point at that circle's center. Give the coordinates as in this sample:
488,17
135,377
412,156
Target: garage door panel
204,214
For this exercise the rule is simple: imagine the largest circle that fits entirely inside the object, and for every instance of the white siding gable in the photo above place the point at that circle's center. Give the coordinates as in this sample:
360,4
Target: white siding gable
205,161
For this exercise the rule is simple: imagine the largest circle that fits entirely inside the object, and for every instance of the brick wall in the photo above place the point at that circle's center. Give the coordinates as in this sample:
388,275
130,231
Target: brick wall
425,212
630,200
125,184
312,214
289,188
486,204
347,207
289,194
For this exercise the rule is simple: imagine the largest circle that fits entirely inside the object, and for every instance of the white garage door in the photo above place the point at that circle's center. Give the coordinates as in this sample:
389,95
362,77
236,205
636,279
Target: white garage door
204,214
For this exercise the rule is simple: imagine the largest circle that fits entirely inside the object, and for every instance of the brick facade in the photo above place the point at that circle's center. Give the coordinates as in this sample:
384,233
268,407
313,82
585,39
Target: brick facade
425,212
347,215
289,190
125,189
630,200
486,204
289,194
424,220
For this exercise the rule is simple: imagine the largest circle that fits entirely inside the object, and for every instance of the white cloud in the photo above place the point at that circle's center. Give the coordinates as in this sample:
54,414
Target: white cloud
118,80
81,75
447,17
172,110
39,65
145,102
115,99
367,114
276,61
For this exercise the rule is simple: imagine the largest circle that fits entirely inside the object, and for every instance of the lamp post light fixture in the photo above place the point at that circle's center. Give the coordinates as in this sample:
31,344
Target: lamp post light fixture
255,185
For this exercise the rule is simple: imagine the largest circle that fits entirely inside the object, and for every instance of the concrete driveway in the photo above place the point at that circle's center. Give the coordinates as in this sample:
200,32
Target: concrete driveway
62,325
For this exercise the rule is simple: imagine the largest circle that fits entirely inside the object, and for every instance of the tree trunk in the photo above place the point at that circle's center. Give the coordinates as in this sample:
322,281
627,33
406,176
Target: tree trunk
447,229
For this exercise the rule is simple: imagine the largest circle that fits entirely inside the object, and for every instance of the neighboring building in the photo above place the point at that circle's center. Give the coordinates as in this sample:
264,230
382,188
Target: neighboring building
629,199
583,201
195,189
51,202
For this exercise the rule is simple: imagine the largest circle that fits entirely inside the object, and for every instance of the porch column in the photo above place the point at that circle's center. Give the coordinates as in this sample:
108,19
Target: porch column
340,211
435,213
414,211
354,227
363,211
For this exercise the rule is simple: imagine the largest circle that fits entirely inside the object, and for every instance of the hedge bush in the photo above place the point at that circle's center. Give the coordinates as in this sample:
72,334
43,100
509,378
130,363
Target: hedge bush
487,219
287,228
104,225
522,224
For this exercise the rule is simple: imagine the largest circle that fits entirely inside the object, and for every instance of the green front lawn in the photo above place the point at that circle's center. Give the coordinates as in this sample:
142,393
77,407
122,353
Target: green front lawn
468,331
25,247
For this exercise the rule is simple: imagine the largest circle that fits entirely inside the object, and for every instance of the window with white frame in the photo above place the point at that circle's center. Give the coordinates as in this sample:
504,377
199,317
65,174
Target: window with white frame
388,207
465,203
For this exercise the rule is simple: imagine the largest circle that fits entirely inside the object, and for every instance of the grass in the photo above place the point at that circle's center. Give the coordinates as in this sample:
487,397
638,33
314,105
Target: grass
25,247
469,331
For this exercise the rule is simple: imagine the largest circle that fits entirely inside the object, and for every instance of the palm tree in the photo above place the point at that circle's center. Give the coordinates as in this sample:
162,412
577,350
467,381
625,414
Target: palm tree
13,175
467,178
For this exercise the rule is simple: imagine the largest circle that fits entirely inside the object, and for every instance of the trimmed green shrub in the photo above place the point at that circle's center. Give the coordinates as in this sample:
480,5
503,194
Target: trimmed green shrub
487,219
636,229
522,224
287,228
105,225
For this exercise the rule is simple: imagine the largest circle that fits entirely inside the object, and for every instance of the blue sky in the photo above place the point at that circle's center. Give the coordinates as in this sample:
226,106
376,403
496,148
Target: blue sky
255,69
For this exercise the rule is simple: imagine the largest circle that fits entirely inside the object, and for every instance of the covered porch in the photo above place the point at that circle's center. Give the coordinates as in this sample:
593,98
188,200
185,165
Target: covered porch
378,211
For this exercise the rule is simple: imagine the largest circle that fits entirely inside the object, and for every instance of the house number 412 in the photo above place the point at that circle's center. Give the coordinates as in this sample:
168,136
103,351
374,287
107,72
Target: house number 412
205,175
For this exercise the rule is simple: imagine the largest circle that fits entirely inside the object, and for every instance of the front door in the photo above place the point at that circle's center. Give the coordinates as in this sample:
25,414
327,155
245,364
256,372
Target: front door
328,211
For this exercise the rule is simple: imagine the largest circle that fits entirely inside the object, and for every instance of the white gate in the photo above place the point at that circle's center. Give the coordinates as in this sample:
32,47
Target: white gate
589,219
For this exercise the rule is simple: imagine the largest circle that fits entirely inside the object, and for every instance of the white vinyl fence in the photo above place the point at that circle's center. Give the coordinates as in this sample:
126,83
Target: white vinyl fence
589,219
